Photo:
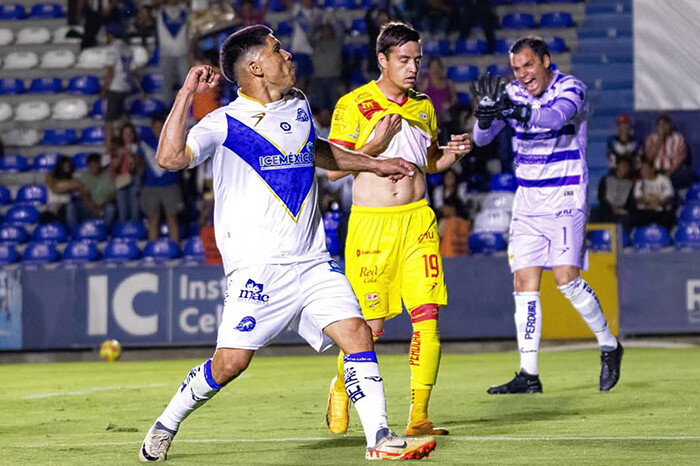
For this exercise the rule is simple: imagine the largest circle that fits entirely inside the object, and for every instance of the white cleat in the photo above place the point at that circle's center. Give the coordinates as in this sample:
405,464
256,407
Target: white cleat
394,447
156,444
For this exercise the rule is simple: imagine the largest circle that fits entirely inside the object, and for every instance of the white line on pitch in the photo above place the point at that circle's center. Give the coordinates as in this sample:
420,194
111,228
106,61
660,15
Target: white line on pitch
455,438
93,390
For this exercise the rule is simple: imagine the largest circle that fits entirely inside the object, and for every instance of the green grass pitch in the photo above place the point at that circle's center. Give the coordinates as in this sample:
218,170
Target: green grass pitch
97,413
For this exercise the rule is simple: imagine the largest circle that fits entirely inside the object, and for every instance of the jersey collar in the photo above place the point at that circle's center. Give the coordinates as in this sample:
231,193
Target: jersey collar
255,102
379,90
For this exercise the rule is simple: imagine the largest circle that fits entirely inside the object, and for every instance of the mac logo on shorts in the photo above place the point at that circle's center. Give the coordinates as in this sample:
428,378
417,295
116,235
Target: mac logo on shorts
246,324
253,293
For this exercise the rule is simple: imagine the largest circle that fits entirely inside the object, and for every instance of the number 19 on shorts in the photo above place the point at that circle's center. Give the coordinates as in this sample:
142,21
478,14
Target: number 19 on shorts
432,265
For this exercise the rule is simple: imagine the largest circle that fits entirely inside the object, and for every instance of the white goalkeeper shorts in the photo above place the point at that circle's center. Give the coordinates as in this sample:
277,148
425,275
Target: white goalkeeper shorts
263,301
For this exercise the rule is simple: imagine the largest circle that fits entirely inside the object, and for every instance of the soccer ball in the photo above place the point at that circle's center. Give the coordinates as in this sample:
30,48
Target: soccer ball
110,350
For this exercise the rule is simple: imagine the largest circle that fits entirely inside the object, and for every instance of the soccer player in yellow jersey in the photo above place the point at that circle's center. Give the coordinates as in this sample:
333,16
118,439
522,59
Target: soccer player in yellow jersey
392,252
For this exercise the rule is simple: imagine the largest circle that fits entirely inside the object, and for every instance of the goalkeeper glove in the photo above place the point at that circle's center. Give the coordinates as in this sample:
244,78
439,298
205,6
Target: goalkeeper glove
486,91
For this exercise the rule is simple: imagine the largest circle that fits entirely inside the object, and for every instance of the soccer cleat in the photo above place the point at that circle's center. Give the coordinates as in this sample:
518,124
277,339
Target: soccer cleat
521,383
338,410
156,444
393,447
610,362
425,427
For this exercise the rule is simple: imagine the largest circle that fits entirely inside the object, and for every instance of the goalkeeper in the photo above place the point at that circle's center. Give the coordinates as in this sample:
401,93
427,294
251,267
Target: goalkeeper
548,112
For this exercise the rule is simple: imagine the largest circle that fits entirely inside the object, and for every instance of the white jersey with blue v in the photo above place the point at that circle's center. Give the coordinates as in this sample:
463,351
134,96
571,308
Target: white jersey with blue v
264,184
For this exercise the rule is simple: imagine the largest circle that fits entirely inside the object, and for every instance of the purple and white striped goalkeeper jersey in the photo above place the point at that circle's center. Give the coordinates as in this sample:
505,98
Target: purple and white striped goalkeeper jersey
550,152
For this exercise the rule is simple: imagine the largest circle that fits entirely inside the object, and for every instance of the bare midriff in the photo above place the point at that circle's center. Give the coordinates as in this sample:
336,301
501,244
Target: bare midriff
369,190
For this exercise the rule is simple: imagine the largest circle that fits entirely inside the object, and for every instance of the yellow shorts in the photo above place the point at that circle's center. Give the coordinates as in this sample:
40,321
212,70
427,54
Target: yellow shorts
393,254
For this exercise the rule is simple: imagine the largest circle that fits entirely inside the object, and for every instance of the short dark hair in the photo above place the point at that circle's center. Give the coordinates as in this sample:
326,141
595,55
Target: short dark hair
395,34
665,117
537,44
94,157
237,44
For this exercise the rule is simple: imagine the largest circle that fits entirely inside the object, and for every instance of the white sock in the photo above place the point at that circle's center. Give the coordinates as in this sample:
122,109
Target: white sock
365,388
528,324
199,386
586,303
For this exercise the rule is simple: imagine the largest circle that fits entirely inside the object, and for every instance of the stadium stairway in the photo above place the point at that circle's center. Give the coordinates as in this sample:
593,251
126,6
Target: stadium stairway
604,61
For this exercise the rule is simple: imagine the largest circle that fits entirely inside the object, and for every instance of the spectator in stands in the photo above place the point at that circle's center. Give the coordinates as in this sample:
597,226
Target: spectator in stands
248,15
471,12
120,80
174,46
327,58
615,200
450,198
623,145
322,122
434,16
99,202
653,194
374,20
306,17
126,171
161,188
144,25
667,150
64,192
96,14
441,91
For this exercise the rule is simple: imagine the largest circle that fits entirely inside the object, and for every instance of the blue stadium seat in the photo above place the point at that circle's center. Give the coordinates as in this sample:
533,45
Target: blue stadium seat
11,86
194,249
477,184
93,135
486,243
129,230
94,230
463,99
463,73
13,164
690,214
80,252
60,137
46,85
22,214
45,162
687,236
5,196
525,2
556,44
692,196
276,6
503,45
437,48
32,194
8,254
86,85
127,8
144,132
502,70
46,11
40,253
518,21
12,11
503,182
558,19
162,249
15,234
358,26
146,108
121,251
601,241
50,232
152,83
471,47
155,58
284,28
650,238
98,109
80,160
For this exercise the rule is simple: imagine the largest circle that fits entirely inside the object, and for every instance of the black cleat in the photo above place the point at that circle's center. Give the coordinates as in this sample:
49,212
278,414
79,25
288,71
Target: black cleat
521,383
610,362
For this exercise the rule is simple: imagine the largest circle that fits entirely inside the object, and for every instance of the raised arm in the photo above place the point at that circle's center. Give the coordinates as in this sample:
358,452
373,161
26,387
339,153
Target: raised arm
172,153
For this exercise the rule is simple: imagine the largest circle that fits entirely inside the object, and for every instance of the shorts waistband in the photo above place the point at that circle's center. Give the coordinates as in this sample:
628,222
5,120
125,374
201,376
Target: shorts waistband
390,209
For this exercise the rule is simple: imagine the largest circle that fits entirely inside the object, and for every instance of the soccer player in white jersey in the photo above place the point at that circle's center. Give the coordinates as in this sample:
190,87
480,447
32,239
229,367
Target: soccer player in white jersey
548,111
270,235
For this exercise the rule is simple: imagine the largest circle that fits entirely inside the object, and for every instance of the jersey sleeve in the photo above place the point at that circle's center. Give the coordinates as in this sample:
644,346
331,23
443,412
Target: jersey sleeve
432,122
574,92
205,137
345,123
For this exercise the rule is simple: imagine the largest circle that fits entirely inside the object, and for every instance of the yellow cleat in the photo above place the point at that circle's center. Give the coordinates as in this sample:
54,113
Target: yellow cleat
425,427
337,411
393,447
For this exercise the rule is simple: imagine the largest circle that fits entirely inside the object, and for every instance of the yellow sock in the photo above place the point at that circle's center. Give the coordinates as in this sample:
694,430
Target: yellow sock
424,361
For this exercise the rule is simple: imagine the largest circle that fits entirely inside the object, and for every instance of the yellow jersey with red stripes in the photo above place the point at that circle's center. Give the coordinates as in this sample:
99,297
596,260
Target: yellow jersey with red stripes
357,113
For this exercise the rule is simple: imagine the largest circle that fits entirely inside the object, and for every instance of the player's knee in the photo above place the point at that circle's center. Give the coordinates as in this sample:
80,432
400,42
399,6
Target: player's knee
228,367
564,276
